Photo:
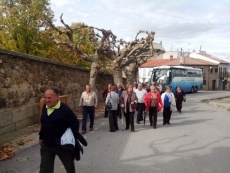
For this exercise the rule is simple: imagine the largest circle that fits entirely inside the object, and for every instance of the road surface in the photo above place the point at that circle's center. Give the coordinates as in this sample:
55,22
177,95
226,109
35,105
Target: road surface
197,141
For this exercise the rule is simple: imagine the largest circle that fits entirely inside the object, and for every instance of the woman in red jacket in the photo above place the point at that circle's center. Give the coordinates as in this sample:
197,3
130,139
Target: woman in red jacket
153,104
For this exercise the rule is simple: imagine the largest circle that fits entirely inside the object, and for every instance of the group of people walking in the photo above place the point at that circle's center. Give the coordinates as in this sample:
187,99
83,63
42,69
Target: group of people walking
58,119
143,99
136,98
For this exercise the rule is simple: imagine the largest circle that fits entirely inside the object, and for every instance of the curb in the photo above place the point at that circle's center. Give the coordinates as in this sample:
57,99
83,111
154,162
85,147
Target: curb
216,98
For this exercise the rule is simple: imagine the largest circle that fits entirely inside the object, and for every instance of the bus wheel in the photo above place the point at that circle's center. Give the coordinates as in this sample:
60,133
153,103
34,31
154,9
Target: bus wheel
196,89
192,90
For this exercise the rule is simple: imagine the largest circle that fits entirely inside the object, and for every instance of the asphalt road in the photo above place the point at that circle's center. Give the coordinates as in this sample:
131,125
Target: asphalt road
197,141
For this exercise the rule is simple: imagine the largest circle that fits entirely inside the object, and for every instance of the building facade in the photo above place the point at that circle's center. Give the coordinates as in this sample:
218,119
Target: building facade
220,70
209,69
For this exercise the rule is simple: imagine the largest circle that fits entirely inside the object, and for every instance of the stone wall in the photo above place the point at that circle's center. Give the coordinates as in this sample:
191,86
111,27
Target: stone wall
23,80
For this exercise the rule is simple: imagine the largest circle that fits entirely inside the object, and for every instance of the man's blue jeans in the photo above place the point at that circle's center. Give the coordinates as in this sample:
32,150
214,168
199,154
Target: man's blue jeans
88,110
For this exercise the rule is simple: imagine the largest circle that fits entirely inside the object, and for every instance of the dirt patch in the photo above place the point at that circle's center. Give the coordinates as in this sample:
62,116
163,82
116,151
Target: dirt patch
221,103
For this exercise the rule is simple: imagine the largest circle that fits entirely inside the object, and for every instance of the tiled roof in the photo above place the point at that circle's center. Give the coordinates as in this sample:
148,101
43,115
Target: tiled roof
214,58
154,63
174,62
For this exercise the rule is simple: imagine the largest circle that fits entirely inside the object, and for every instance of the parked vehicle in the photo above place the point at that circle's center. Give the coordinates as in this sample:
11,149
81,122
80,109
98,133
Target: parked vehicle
188,78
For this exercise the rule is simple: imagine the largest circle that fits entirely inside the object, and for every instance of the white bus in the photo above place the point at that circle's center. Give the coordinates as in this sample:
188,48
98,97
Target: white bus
188,78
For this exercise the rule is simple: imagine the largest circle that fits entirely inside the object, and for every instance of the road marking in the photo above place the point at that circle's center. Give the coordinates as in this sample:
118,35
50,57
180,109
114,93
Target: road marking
102,123
94,130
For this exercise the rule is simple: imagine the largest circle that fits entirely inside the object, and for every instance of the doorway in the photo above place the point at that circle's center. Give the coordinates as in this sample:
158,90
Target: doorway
213,84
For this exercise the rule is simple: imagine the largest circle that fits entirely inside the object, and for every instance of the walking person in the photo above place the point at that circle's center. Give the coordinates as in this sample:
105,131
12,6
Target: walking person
56,118
88,103
140,92
134,85
104,95
153,104
147,86
119,91
180,97
128,101
114,99
168,100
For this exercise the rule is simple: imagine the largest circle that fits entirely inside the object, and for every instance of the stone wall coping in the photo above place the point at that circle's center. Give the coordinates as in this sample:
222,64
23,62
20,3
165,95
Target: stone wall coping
36,58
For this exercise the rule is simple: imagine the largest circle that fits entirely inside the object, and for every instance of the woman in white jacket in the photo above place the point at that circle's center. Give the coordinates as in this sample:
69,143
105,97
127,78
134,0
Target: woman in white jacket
114,99
169,103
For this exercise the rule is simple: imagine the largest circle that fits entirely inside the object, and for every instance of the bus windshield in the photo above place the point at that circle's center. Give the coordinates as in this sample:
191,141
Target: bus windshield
160,76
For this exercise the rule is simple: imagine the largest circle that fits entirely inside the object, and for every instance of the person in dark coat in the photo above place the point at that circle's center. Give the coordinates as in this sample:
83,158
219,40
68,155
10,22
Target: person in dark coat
56,118
179,96
104,94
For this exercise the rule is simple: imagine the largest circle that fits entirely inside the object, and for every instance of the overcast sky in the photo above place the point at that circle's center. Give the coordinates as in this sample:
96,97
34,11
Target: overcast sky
185,24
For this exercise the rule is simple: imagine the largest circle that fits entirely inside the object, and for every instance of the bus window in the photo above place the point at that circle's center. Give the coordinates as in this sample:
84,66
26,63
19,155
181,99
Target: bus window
160,76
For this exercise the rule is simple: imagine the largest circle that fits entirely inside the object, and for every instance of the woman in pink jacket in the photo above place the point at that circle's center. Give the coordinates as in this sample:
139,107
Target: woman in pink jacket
153,104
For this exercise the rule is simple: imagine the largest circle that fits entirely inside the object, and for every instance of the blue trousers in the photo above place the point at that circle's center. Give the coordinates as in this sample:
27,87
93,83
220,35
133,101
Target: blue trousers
88,110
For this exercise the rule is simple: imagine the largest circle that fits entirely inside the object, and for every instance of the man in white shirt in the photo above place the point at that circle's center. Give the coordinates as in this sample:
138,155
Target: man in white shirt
88,103
140,92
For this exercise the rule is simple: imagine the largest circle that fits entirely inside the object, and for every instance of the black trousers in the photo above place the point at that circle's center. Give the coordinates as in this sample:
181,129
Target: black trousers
153,116
179,104
48,157
106,113
113,120
129,119
167,114
140,109
88,110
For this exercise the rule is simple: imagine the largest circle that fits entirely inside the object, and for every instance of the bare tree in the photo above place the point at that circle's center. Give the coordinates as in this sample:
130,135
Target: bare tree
132,55
131,71
121,53
102,39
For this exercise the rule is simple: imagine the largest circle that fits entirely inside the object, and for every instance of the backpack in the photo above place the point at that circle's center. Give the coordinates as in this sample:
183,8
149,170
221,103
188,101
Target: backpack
108,104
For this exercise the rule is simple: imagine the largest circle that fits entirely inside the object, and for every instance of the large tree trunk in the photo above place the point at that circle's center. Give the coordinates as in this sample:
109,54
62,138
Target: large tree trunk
131,73
93,74
117,74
